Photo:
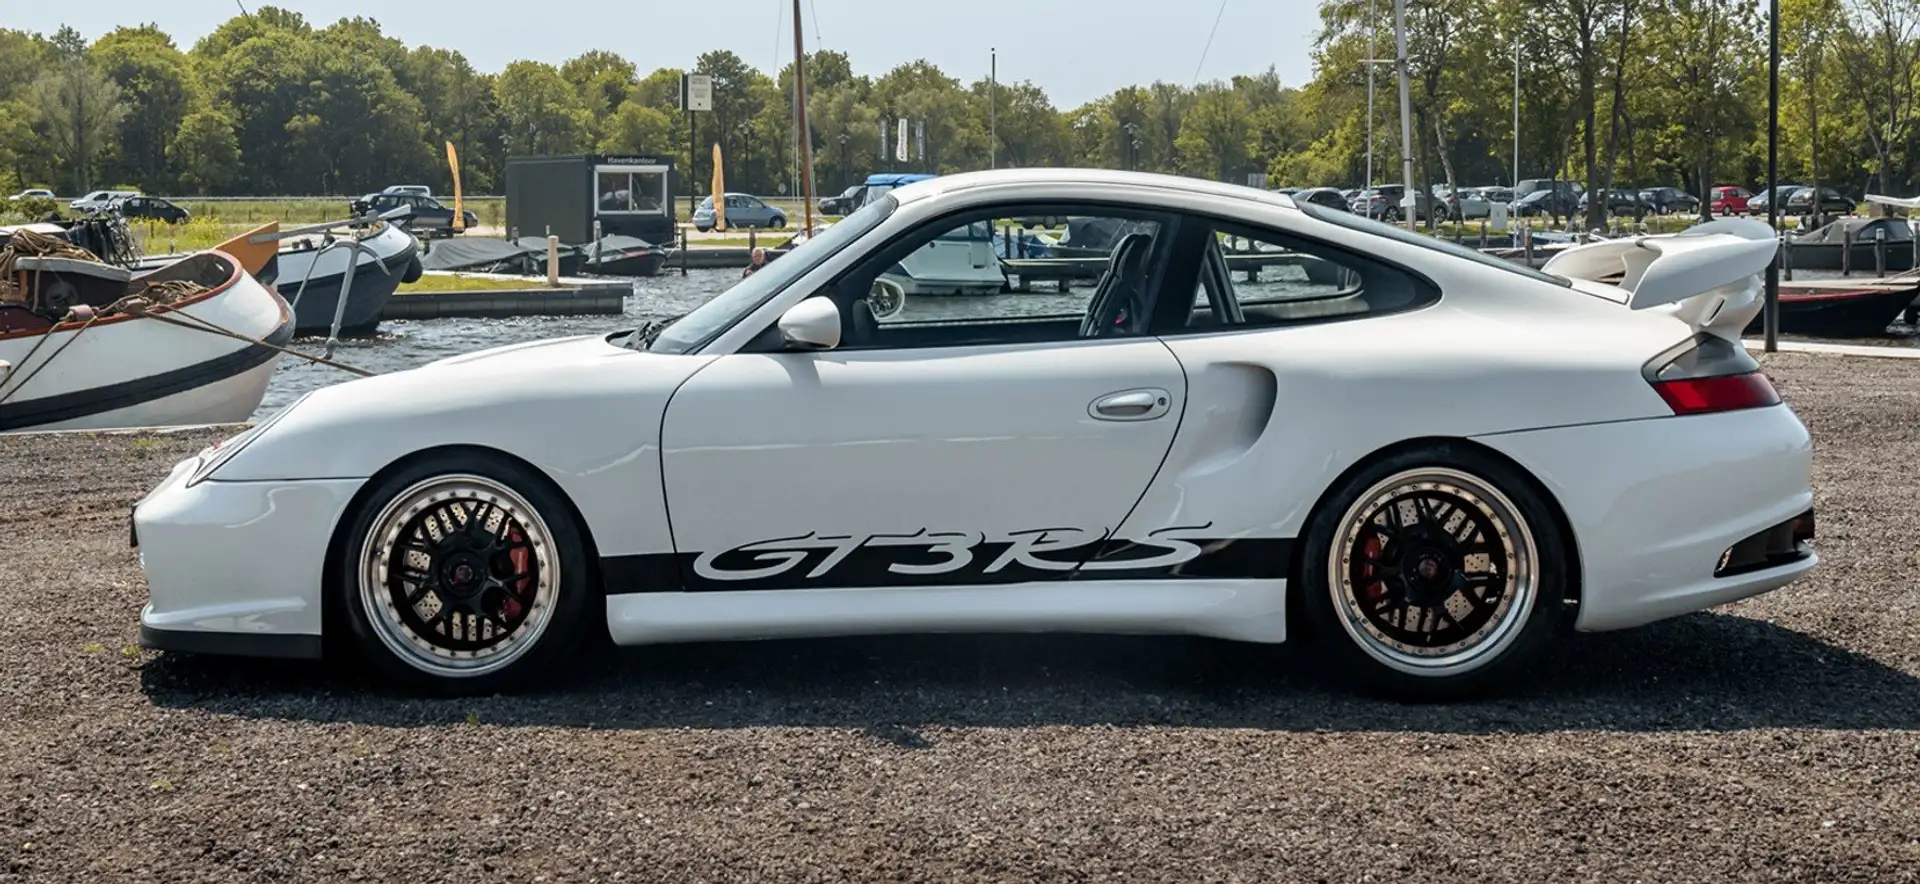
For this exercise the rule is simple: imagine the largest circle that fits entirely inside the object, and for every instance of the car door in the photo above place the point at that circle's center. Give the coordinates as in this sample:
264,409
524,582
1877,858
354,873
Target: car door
964,464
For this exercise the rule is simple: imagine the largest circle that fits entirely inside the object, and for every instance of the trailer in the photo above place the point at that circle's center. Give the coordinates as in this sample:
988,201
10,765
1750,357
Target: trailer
629,194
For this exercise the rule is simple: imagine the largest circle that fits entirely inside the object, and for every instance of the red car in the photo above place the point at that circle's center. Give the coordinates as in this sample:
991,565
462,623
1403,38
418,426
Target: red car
1730,200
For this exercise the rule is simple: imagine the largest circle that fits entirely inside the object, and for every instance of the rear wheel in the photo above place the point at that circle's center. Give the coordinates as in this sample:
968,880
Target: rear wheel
778,222
464,574
1434,574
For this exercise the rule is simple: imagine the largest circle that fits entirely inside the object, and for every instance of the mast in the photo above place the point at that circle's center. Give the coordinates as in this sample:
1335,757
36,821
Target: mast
800,111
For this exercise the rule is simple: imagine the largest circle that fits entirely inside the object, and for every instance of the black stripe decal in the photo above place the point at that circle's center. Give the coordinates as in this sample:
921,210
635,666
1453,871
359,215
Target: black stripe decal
812,562
98,400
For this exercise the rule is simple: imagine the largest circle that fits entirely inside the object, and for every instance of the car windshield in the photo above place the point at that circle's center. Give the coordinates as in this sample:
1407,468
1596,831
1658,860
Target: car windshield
1369,226
710,319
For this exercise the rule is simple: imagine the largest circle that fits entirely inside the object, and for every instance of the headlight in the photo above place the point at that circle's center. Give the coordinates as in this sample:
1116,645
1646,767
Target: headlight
216,455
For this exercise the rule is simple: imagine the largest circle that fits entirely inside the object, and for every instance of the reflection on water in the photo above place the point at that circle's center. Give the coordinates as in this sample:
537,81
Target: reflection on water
409,343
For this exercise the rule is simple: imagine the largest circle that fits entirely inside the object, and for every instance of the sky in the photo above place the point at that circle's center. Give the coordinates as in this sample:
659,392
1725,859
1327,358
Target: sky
1077,50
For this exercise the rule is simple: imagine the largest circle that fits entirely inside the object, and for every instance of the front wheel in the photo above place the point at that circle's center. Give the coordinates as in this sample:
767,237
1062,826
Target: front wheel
1434,574
777,223
464,574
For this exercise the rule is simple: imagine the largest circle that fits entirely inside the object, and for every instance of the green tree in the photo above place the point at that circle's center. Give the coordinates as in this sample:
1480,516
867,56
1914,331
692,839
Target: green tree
539,111
205,153
78,109
154,78
1213,136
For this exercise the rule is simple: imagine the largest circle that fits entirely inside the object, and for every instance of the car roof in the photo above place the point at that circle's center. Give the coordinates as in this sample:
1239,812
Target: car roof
933,186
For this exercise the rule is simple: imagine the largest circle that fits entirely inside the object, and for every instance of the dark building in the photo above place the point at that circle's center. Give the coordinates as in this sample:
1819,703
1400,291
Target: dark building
630,195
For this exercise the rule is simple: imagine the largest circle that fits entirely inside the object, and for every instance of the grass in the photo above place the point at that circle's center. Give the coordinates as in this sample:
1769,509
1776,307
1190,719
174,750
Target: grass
466,283
492,212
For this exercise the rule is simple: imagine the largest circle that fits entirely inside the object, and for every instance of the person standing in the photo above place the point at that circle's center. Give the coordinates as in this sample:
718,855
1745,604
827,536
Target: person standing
757,260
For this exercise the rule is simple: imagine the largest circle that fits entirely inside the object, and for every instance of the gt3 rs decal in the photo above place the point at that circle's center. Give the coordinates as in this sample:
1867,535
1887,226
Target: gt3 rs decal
950,558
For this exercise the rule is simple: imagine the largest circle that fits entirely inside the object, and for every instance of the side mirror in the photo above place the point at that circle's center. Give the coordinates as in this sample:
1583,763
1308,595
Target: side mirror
886,298
812,324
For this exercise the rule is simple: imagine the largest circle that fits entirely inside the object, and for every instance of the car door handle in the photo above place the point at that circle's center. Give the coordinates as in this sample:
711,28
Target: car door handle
1131,405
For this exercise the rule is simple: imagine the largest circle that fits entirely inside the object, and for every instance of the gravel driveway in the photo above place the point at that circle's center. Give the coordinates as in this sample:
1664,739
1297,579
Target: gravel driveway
1774,740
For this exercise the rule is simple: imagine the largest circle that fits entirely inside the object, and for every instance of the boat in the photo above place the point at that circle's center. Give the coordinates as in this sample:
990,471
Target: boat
310,275
1842,308
959,262
617,255
76,354
513,257
1848,243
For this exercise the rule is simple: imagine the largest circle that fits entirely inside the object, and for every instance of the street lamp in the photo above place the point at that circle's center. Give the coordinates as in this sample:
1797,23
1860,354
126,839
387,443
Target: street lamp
1772,309
745,131
1130,150
843,157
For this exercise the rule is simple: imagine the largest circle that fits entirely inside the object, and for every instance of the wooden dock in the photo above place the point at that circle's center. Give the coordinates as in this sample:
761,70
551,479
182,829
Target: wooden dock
574,297
1066,271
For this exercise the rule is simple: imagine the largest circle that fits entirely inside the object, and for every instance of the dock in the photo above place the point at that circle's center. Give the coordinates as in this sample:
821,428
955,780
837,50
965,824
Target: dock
1066,271
573,297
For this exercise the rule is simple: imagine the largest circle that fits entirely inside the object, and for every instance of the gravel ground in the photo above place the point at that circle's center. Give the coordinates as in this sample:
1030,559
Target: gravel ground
1773,740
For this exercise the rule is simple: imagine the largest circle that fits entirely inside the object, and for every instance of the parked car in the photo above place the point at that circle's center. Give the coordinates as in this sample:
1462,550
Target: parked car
1383,203
743,210
1669,201
1502,195
424,214
1547,202
846,202
100,200
1832,202
1322,196
1466,204
1533,185
1619,202
1758,202
414,189
1729,199
150,208
1435,504
33,193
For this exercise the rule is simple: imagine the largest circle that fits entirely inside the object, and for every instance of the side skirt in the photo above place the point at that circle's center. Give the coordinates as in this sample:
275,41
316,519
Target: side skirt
1252,610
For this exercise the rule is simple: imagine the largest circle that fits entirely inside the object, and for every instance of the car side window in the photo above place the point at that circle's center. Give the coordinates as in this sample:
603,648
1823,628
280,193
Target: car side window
1251,278
1014,274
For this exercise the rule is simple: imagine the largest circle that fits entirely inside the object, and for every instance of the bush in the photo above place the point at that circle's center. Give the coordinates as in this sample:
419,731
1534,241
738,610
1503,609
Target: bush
33,208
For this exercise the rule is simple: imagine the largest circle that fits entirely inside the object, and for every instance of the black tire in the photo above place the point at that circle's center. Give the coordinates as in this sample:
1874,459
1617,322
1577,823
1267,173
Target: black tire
1516,629
564,602
701,229
779,222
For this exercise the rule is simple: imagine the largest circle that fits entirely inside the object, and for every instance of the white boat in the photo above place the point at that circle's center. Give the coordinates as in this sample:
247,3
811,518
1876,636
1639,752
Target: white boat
126,370
958,263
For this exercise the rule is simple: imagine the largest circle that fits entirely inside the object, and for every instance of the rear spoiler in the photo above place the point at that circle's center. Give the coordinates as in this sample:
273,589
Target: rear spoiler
1710,272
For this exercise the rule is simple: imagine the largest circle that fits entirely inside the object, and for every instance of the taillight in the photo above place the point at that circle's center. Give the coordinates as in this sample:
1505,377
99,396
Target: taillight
1724,393
1710,374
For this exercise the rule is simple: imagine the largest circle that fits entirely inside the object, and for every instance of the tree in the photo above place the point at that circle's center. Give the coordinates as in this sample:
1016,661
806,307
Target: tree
603,79
1213,136
205,152
152,75
539,111
79,110
636,128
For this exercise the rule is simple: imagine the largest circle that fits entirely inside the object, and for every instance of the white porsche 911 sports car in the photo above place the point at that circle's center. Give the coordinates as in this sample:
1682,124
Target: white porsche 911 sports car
1249,418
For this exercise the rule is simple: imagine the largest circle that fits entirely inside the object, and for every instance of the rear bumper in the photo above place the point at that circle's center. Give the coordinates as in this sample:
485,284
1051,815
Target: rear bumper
1659,506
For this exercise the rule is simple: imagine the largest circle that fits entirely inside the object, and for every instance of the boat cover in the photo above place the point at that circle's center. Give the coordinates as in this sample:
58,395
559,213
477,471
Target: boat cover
615,246
466,253
1835,233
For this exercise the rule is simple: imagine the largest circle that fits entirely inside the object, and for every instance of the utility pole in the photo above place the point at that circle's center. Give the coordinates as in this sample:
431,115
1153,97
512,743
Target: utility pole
1772,308
1516,111
1370,63
806,137
1411,204
993,108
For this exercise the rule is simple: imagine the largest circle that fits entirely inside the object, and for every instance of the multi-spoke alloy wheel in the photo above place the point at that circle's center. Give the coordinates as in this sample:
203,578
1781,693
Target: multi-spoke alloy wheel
1434,570
1439,571
458,576
462,573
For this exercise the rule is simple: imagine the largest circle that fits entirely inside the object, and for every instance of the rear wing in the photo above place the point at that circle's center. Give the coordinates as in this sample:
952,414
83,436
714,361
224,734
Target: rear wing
1710,272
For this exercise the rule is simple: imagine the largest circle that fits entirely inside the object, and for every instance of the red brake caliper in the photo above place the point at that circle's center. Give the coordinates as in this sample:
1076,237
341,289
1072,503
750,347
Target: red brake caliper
1371,589
510,607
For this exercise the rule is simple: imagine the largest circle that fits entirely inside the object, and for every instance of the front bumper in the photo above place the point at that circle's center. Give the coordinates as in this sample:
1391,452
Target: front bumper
235,567
1661,508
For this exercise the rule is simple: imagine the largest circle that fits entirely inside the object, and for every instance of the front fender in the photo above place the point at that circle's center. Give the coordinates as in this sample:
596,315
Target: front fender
590,421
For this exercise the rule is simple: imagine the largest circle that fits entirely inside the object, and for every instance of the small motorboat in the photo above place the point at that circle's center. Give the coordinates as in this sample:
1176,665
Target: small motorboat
87,345
621,256
1850,243
1842,308
513,257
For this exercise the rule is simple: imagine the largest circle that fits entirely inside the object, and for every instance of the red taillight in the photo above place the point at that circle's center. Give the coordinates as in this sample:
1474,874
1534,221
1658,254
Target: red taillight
1724,393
